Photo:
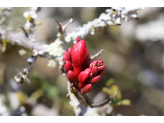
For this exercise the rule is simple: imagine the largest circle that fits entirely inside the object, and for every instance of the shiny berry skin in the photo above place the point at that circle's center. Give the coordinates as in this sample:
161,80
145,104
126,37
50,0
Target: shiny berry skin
79,69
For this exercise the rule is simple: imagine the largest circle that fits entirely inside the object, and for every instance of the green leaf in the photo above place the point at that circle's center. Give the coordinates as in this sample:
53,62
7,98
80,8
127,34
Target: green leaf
125,102
109,82
53,92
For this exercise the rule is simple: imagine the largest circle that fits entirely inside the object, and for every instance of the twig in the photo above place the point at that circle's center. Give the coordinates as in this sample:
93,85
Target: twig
90,103
87,99
21,40
26,34
105,19
61,27
61,67
79,110
97,54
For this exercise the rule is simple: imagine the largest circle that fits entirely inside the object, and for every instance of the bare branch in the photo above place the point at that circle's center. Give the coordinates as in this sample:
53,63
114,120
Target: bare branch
90,103
61,27
97,54
28,40
74,101
112,16
21,40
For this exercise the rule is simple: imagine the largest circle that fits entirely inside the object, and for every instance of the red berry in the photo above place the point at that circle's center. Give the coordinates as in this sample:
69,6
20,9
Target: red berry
66,57
70,51
83,76
79,68
78,56
87,88
71,76
94,71
101,67
68,66
96,79
77,39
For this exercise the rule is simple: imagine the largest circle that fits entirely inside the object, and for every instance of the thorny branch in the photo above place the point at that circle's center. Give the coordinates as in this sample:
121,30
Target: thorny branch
39,48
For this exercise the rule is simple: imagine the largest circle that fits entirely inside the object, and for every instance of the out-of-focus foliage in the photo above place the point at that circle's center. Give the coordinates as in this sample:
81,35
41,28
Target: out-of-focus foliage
133,59
111,89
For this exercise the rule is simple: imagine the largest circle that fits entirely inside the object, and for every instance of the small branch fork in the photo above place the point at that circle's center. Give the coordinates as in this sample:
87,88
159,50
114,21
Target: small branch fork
21,77
74,97
77,102
61,27
107,101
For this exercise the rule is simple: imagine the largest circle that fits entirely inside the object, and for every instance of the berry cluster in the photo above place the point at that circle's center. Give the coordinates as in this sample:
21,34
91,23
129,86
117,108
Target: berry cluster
79,68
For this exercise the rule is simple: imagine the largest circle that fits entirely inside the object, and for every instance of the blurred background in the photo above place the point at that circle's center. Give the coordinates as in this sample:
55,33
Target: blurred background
134,59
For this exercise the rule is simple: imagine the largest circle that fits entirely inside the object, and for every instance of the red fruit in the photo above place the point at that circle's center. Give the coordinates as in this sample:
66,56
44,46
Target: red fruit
94,63
86,74
69,51
87,88
80,76
78,53
68,66
86,61
101,72
78,56
83,76
66,57
100,61
96,79
79,68
94,71
77,39
101,67
71,76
